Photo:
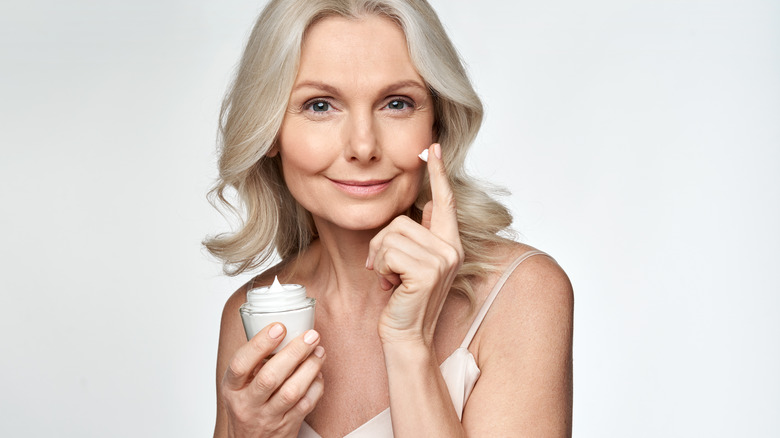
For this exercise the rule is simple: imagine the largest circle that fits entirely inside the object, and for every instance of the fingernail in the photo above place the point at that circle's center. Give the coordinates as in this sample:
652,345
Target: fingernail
310,337
424,155
275,331
437,150
319,351
366,263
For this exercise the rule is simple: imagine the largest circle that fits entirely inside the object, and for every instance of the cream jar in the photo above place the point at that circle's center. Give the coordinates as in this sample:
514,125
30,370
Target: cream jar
284,303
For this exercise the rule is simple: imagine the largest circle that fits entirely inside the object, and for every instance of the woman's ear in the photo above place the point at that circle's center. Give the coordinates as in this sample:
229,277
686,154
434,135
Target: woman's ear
273,151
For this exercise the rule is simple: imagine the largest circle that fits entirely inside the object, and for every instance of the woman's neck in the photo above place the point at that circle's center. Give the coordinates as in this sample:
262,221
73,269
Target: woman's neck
339,269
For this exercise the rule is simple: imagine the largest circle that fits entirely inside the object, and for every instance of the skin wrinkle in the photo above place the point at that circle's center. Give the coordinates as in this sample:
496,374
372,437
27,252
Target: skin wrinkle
358,139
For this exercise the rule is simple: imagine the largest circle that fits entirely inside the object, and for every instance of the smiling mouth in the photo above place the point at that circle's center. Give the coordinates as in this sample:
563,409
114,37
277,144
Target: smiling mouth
362,188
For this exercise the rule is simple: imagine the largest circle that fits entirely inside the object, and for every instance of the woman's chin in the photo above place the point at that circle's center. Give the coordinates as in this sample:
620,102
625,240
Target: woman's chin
362,221
362,225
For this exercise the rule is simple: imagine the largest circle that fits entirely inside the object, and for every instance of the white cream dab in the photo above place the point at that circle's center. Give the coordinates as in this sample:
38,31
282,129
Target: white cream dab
424,155
276,286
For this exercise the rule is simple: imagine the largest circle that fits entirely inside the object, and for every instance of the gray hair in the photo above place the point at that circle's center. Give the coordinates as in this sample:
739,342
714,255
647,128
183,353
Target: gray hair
254,108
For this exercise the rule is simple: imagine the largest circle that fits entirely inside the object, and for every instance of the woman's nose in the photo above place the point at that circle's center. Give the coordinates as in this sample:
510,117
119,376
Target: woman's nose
362,141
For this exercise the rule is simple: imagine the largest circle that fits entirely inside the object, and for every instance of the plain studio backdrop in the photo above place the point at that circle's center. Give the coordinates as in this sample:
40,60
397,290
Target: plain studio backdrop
640,140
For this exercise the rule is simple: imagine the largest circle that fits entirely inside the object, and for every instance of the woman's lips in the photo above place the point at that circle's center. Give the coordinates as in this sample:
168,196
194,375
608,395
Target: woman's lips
362,188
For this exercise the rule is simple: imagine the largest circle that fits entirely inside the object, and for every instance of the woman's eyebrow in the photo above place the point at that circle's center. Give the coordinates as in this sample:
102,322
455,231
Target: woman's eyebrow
318,85
409,83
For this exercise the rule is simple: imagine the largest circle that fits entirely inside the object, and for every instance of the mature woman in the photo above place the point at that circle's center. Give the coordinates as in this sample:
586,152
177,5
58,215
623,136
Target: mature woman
429,322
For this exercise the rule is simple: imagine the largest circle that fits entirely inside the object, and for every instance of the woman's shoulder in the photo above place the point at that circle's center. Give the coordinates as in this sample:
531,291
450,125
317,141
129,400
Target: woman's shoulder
535,268
537,280
524,346
537,297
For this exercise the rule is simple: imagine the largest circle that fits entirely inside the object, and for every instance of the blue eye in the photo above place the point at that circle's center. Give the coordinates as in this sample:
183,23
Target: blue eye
320,106
398,104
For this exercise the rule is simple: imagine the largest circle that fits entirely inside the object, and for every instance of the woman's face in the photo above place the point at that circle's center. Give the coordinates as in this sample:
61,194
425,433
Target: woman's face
359,114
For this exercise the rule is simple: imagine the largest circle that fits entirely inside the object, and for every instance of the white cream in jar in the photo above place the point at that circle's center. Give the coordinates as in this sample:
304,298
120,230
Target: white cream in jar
284,303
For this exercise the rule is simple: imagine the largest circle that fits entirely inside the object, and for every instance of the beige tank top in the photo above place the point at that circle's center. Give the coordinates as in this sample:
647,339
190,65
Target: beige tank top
459,370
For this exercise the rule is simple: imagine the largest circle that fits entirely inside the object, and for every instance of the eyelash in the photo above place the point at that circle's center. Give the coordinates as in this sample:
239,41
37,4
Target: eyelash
409,104
310,105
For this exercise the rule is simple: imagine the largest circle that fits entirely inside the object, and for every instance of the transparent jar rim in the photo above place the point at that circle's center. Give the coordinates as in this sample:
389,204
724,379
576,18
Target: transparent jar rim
247,308
292,286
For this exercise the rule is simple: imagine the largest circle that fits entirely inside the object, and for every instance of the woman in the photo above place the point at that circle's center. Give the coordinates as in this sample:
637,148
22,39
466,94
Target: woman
423,309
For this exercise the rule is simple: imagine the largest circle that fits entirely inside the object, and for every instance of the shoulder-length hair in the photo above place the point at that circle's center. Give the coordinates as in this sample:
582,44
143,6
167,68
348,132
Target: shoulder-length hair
272,221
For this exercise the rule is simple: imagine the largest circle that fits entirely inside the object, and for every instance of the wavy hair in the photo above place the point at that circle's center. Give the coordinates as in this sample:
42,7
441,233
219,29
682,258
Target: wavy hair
271,220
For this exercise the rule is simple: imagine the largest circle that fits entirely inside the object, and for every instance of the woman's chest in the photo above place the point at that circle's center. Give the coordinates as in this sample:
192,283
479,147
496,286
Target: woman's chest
354,373
356,388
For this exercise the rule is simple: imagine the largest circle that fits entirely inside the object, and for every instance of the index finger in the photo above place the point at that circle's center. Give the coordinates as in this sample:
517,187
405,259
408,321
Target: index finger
444,217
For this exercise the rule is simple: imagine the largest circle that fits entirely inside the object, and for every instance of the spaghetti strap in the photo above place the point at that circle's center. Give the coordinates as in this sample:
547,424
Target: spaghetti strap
494,293
459,370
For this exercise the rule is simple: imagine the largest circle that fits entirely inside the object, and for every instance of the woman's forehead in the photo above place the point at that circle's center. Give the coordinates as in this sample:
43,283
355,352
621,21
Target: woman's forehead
347,49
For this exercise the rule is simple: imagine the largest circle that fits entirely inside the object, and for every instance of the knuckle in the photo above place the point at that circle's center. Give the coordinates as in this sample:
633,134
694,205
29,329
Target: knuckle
390,254
289,395
305,405
265,381
391,258
236,368
241,415
375,243
449,255
392,239
442,261
452,256
230,374
309,401
401,220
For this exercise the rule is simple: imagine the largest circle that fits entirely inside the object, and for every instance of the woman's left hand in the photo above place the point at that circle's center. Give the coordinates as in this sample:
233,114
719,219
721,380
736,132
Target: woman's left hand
422,260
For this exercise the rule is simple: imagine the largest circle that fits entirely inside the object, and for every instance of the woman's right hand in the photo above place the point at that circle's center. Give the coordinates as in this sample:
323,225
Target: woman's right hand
270,398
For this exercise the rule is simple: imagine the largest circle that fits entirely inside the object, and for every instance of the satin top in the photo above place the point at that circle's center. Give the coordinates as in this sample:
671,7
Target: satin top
459,370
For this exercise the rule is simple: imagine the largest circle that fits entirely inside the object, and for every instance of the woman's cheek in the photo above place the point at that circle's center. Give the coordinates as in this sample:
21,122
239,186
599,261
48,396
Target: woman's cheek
407,143
308,148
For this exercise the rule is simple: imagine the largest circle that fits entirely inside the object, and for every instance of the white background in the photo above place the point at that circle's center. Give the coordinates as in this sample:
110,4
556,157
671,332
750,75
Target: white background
640,139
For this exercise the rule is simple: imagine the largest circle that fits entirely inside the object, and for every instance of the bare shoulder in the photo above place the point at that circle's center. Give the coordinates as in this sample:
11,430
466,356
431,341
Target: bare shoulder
538,282
536,300
524,350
